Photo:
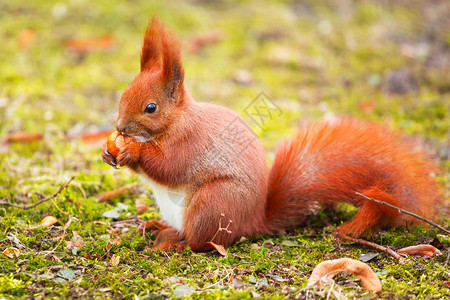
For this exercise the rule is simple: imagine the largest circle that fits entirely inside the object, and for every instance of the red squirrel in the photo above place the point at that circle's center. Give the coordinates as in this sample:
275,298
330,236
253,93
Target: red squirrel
204,176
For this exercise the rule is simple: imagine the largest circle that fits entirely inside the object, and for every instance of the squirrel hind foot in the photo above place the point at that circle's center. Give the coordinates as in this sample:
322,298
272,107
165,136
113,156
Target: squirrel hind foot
372,216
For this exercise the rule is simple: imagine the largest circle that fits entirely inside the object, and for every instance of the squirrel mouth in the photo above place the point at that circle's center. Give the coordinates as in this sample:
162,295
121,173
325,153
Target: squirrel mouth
141,138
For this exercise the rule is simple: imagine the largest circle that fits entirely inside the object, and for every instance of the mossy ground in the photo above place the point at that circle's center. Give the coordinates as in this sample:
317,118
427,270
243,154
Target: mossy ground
377,60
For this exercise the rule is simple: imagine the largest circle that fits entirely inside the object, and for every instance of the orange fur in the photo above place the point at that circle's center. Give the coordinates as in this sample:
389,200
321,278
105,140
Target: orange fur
327,163
229,192
151,48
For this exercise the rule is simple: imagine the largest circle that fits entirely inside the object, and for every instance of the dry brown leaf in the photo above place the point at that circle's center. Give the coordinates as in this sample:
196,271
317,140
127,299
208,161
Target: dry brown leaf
87,45
25,38
12,252
95,139
77,240
23,137
200,41
221,249
48,221
115,260
367,106
437,243
117,242
106,196
141,207
330,268
424,250
108,246
99,223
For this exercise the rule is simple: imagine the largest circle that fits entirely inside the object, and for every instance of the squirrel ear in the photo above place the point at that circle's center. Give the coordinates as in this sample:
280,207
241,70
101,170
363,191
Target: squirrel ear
151,48
172,67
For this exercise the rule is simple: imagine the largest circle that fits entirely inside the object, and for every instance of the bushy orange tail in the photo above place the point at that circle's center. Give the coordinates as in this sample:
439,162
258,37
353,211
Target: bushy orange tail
328,163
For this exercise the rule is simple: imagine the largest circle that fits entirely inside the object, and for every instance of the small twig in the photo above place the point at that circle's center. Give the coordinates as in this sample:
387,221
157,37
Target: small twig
373,245
61,188
448,258
405,212
60,210
222,228
342,282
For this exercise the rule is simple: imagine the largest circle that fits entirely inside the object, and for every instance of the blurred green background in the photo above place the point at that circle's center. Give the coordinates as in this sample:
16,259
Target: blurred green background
64,65
373,59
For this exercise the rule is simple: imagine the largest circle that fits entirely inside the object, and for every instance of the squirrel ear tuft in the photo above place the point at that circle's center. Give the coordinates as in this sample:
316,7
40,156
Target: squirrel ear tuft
172,66
151,48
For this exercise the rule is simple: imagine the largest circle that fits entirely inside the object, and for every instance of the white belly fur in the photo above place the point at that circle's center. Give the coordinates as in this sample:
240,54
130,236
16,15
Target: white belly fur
171,203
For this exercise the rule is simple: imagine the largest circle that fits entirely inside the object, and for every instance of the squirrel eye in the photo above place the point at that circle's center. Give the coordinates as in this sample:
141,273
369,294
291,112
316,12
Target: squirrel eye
151,108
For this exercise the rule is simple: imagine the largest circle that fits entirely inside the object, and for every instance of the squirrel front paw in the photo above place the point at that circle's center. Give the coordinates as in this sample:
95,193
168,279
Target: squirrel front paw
128,155
108,158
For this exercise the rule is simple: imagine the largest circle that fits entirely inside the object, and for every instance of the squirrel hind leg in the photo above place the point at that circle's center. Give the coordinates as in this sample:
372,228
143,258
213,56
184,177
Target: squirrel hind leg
372,216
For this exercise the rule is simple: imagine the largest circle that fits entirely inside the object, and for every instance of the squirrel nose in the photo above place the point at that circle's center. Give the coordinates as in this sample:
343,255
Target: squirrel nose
120,126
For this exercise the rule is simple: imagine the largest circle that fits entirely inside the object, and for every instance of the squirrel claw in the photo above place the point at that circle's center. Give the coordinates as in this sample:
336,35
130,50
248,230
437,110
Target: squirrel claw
109,159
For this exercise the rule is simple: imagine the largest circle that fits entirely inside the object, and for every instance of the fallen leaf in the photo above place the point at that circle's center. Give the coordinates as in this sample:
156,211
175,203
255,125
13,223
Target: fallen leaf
48,221
99,223
262,282
277,278
424,250
255,294
221,249
290,243
113,214
200,41
11,252
15,240
106,196
367,106
115,260
365,257
174,279
95,139
77,240
330,268
236,283
121,206
108,246
437,243
117,242
23,137
25,38
183,291
67,274
141,207
113,231
87,45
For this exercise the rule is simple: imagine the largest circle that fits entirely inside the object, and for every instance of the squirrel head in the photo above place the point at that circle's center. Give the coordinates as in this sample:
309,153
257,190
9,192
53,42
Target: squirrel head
155,97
